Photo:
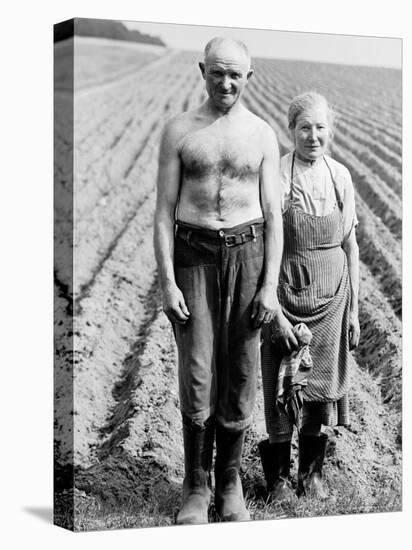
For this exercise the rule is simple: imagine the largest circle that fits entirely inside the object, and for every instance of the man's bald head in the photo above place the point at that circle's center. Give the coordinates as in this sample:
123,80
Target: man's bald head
220,47
226,70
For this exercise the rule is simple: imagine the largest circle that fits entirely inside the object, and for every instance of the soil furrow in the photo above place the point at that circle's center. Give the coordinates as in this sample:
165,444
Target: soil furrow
387,208
107,327
85,288
115,210
93,118
136,157
141,464
380,252
120,134
379,324
126,153
115,431
113,213
371,148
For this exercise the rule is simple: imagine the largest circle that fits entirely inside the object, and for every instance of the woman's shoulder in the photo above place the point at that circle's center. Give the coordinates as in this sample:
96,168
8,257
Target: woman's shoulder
342,179
284,172
286,158
286,161
339,170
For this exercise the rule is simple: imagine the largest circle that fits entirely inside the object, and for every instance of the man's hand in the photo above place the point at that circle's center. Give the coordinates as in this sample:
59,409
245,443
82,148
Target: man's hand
283,334
265,306
354,331
174,304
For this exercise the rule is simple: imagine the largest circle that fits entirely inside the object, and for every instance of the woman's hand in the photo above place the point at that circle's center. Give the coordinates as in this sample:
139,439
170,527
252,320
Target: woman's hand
283,334
354,330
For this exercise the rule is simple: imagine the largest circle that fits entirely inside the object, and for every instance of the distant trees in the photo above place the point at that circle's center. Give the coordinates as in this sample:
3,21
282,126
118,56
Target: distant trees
101,28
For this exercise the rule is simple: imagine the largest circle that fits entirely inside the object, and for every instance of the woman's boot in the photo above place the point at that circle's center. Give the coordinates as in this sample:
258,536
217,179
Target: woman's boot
198,448
312,451
229,502
275,459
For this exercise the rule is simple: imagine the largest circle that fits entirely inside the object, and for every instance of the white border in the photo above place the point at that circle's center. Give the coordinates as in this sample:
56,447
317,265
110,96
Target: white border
26,218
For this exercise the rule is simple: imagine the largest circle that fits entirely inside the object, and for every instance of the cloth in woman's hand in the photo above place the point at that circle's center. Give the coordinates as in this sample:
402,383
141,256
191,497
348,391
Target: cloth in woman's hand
293,374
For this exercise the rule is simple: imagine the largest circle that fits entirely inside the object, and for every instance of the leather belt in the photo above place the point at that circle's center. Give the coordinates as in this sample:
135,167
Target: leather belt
228,239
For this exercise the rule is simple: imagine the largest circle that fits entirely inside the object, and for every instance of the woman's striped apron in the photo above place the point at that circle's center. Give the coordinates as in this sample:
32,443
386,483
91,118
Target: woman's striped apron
314,288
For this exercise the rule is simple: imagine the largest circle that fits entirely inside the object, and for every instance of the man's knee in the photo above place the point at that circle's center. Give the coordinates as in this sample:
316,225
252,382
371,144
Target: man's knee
197,424
233,425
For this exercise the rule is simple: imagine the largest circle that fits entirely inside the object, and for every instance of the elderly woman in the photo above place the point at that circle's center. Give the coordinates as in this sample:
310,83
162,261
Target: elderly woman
318,286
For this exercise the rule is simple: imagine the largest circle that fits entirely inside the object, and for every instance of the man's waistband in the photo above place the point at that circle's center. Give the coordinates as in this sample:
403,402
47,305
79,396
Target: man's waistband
229,236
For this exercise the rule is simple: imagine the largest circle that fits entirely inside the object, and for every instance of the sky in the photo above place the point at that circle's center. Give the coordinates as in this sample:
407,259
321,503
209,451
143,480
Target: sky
331,48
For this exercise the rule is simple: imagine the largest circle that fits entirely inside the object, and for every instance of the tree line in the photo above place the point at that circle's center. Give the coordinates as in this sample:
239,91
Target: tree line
101,28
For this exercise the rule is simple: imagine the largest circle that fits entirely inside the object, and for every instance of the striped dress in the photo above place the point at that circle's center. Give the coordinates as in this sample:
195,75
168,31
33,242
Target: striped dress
314,288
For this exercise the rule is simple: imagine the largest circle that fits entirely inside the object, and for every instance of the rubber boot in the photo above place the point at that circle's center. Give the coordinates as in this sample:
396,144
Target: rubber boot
198,448
275,459
312,451
229,501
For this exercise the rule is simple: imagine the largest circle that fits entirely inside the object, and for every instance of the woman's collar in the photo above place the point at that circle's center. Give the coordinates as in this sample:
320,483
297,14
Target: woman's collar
307,162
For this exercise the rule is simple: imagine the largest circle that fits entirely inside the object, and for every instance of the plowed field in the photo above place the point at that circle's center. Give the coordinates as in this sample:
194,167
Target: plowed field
122,415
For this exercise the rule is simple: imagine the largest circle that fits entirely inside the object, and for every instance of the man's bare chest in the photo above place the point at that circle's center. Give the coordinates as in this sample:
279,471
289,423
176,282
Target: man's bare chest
234,154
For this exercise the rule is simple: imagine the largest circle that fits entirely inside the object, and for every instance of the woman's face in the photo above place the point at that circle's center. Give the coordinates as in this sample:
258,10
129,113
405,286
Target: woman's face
311,133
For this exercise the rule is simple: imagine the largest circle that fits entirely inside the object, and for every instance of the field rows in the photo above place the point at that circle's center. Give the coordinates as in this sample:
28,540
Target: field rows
113,179
377,138
372,94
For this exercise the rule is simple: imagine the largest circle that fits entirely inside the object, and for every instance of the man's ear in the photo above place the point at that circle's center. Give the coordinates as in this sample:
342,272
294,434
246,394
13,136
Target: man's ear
249,74
202,68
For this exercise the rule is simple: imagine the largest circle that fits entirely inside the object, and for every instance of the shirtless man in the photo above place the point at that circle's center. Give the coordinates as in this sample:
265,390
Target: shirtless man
218,243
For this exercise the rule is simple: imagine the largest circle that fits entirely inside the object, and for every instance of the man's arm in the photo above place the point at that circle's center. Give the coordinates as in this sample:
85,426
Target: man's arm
168,183
266,304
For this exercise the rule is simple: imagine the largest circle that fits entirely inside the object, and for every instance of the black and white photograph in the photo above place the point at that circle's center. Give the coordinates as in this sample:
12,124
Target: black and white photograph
204,273
228,274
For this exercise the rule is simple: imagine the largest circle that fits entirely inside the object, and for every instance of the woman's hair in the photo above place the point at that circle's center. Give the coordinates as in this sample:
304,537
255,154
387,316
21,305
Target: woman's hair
305,101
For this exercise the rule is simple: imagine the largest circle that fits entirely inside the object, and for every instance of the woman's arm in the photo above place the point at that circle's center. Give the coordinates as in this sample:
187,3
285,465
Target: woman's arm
350,246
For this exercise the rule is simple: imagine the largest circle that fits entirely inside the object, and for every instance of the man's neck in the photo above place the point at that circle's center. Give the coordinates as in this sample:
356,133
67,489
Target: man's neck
218,113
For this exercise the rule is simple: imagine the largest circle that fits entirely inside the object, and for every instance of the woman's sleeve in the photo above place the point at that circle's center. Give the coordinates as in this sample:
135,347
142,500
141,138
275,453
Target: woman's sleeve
350,220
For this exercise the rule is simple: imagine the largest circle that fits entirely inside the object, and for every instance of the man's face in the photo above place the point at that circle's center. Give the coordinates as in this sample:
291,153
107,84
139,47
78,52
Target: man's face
226,72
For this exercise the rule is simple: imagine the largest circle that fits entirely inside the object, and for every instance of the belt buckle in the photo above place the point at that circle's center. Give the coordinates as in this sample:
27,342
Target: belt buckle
230,240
